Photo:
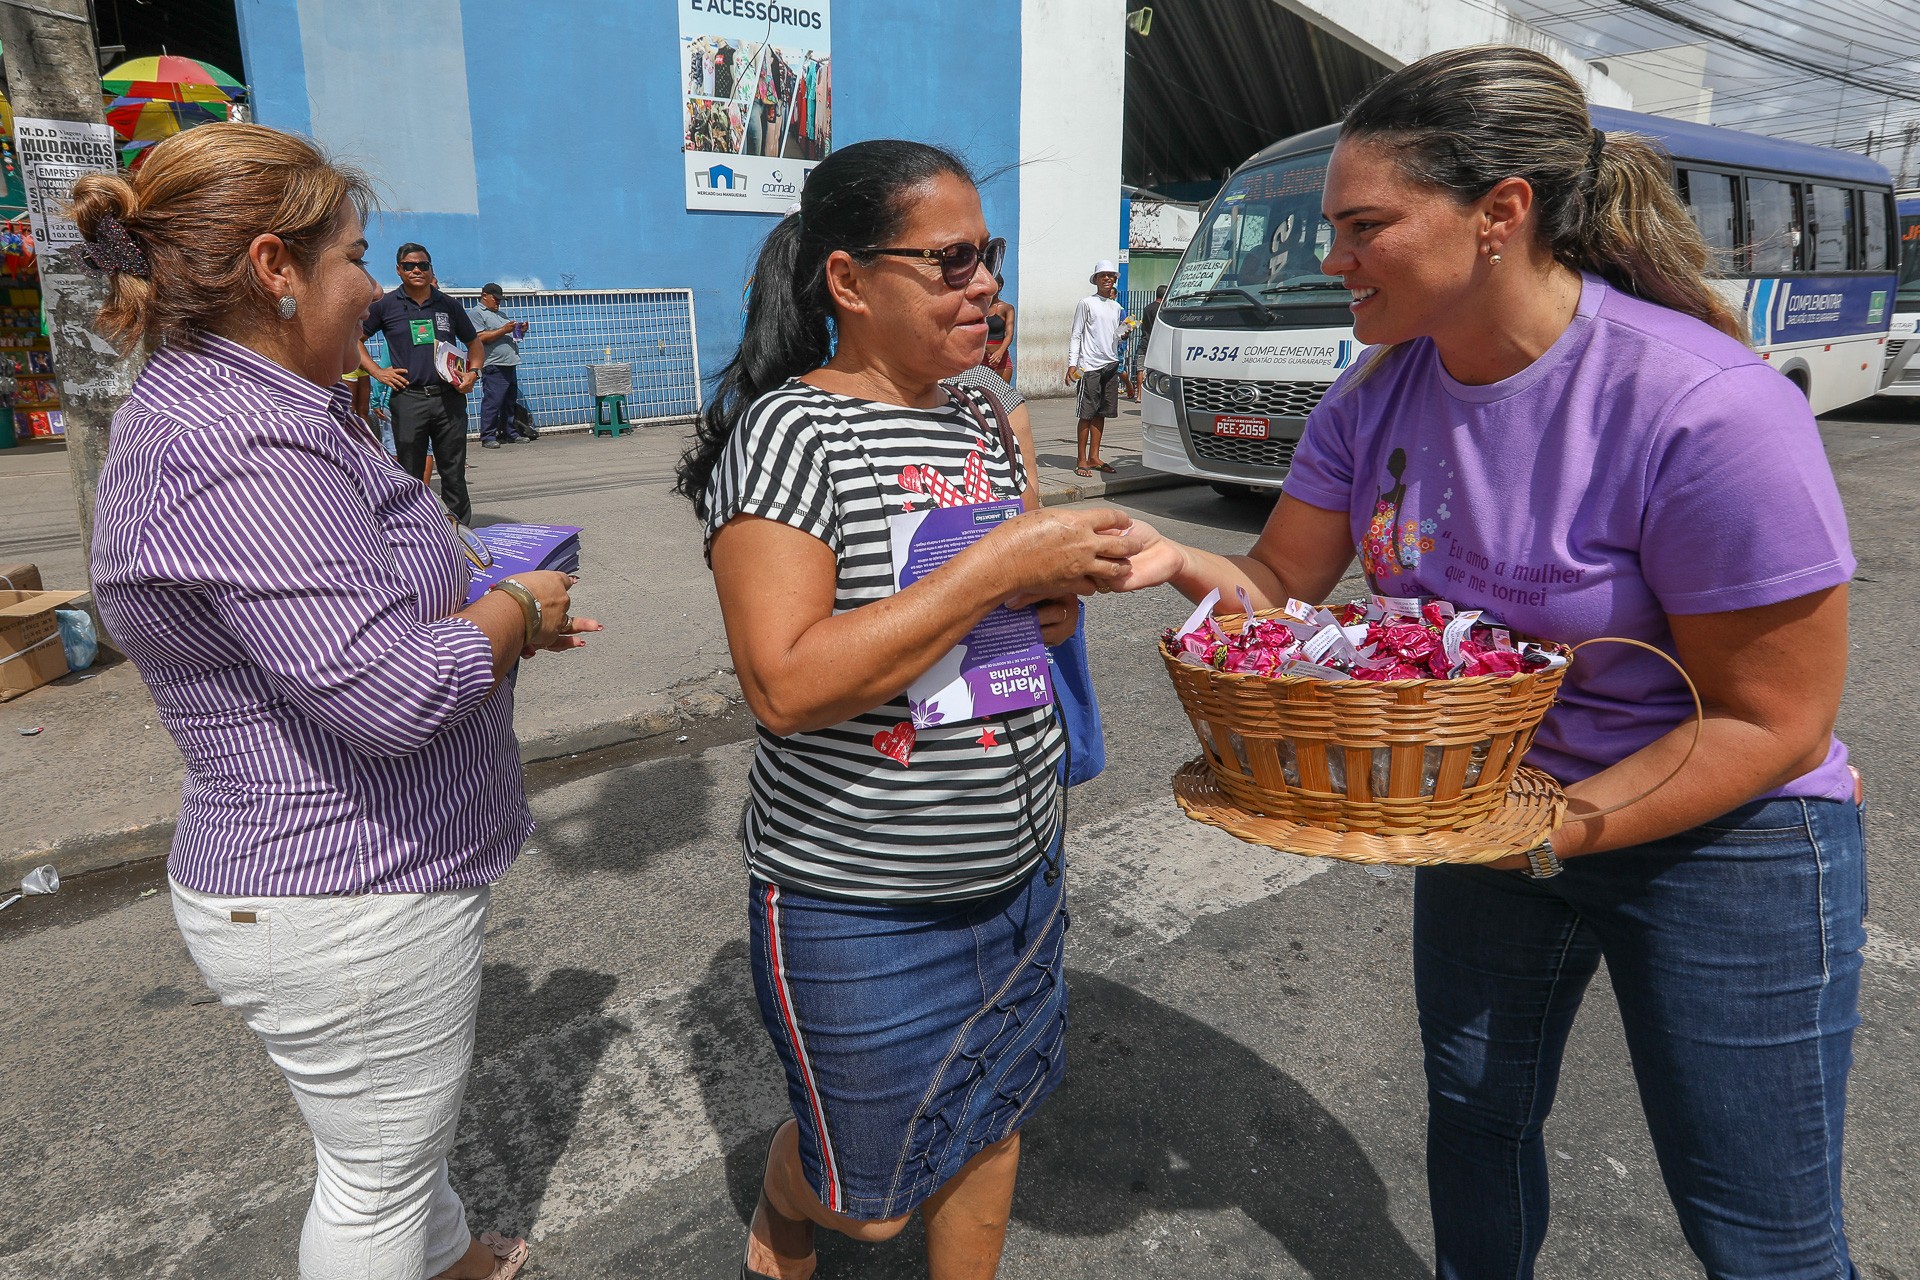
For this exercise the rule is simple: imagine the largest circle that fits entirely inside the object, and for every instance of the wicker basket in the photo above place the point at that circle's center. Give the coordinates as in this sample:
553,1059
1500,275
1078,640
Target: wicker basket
1412,756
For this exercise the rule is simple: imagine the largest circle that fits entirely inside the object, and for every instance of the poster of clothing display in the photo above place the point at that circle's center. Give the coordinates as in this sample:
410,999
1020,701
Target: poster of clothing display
759,101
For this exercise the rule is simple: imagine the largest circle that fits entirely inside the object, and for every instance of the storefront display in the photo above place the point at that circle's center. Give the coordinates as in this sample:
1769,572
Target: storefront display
28,391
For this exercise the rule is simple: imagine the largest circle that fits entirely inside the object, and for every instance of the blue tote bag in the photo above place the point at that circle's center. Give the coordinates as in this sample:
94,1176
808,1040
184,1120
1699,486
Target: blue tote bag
1079,707
1067,662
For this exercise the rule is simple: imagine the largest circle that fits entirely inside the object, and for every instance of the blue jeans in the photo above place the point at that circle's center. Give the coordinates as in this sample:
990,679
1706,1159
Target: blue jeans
1734,952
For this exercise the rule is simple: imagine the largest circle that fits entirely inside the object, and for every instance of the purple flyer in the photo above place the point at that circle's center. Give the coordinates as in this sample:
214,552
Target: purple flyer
1001,666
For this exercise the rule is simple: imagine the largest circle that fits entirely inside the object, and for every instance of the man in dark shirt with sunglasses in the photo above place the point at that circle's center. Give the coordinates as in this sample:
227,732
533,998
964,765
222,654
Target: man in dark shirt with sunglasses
417,320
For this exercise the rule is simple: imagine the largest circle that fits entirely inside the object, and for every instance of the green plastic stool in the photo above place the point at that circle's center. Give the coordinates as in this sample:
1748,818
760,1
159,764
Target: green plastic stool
613,425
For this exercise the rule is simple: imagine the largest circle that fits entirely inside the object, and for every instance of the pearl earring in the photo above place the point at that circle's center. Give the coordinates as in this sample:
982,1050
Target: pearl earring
1493,260
288,305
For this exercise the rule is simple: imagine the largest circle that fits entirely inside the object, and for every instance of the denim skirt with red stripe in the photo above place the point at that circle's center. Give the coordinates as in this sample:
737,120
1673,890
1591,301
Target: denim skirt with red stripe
912,1036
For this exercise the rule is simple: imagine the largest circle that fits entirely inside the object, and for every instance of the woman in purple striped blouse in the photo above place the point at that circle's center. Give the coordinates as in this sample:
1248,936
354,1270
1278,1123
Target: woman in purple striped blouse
297,607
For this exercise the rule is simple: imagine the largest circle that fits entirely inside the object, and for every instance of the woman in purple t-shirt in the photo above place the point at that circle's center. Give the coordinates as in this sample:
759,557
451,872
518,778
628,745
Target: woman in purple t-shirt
1558,424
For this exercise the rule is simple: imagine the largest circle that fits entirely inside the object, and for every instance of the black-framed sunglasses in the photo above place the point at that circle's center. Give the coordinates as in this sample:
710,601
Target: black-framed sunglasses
416,266
958,262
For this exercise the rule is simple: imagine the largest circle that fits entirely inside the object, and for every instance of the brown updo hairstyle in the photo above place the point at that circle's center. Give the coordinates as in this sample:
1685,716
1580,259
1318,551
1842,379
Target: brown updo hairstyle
194,207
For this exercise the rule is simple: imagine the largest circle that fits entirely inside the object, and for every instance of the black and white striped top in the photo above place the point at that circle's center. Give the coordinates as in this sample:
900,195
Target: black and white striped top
831,813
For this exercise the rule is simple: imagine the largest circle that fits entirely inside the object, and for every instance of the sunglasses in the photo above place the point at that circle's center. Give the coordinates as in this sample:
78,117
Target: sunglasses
416,266
958,262
477,551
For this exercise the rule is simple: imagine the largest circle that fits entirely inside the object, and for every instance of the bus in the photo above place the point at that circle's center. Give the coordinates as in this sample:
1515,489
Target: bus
1251,333
1902,375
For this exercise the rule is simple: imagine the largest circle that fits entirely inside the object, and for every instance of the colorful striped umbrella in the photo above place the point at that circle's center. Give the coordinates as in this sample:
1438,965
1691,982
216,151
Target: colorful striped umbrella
149,120
132,153
172,79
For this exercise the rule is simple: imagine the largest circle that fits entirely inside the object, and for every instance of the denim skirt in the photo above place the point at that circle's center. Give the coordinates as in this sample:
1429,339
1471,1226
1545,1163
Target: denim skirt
912,1036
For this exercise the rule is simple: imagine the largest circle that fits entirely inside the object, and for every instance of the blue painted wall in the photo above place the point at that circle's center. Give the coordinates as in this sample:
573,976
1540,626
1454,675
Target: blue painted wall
574,112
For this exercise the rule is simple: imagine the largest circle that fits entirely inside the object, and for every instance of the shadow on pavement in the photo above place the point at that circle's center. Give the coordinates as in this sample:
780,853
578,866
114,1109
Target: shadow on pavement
625,825
1160,1113
536,1051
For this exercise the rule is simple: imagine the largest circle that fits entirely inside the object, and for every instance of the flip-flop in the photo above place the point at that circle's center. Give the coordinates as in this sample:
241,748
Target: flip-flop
747,1272
1084,471
1106,468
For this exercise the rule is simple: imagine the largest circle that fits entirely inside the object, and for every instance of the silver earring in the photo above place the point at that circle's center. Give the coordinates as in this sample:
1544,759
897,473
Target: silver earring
1492,260
288,305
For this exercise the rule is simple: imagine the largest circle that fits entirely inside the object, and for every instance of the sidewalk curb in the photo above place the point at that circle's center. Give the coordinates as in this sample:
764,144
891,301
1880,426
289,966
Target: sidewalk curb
104,850
1054,495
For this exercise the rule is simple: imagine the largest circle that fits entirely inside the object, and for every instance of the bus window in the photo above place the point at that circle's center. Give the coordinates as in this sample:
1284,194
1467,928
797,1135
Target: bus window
1709,198
1771,233
1909,256
1829,230
1873,229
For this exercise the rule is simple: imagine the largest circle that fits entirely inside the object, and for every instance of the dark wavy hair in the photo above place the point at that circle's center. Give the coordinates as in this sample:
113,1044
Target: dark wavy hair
854,201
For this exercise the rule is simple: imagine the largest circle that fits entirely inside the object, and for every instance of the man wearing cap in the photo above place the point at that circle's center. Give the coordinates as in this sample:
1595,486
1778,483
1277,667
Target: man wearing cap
1093,361
500,377
429,397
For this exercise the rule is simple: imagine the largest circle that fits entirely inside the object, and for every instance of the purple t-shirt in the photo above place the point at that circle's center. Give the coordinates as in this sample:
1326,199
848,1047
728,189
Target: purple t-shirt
1645,465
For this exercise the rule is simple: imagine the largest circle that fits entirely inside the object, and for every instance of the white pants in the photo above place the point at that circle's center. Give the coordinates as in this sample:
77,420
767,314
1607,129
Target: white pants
367,1005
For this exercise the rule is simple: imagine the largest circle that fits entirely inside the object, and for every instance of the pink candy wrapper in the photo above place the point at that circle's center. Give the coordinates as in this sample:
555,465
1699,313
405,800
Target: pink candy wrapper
1387,638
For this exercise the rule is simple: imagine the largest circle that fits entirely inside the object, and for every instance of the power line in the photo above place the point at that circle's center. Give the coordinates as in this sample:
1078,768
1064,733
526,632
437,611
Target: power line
1667,14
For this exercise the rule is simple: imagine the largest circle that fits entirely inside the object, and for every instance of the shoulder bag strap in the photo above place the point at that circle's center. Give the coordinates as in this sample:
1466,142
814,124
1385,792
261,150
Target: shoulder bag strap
1003,428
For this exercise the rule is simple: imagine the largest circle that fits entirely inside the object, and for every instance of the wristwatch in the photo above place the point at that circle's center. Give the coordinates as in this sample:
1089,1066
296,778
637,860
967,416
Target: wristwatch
1542,862
528,604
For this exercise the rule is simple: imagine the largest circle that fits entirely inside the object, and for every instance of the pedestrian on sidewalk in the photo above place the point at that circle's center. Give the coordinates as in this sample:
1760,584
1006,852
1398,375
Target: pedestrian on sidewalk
1557,389
429,402
1093,362
1147,317
500,376
897,863
1000,321
297,609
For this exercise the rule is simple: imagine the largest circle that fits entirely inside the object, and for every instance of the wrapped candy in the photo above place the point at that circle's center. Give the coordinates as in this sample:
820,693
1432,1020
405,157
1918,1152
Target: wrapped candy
1384,638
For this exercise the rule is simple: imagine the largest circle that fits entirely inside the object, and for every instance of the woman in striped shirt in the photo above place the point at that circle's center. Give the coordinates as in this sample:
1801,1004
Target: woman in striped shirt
296,605
907,910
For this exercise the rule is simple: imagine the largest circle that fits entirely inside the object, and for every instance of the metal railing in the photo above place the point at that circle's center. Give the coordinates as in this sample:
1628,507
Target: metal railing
570,329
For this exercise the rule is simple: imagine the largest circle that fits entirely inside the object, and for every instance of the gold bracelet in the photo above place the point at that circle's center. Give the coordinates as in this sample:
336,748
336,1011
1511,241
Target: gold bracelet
529,606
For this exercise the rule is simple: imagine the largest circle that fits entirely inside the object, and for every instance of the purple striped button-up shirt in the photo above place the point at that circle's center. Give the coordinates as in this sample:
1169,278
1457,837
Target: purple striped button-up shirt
285,591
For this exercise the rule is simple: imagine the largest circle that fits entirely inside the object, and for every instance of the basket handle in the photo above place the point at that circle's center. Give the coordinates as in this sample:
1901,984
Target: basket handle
1699,721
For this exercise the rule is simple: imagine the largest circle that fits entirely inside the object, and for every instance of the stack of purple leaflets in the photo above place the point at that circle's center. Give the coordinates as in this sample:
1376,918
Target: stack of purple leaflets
507,549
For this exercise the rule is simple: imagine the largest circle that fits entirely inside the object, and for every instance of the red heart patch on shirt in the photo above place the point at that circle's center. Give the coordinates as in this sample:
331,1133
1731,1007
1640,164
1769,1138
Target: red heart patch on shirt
896,743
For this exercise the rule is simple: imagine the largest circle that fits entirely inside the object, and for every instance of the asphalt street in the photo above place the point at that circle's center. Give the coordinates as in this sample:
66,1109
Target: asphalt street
1244,1096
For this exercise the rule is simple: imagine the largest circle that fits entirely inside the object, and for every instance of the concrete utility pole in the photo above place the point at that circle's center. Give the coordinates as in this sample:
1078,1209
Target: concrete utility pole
53,73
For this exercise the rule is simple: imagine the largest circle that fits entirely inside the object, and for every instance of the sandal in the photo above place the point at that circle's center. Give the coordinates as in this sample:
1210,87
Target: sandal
509,1253
1106,468
762,1205
1084,471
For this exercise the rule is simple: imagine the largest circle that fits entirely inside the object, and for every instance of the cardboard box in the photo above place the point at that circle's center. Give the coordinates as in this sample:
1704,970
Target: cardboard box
20,577
30,650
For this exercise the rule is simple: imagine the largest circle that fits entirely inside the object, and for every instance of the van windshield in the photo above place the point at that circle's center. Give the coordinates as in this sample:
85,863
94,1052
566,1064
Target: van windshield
1262,240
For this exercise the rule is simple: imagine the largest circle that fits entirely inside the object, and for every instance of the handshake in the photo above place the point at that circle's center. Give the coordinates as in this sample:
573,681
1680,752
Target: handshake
1049,554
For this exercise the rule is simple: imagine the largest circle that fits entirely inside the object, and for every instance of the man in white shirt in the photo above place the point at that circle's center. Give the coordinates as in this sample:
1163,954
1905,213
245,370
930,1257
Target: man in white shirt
1093,361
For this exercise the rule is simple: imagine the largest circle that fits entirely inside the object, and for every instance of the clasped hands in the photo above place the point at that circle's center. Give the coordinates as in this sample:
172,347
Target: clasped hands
1048,558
